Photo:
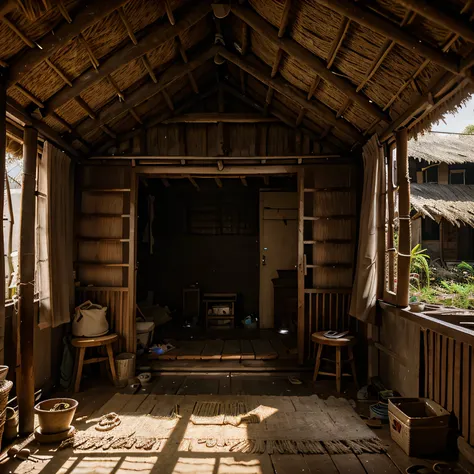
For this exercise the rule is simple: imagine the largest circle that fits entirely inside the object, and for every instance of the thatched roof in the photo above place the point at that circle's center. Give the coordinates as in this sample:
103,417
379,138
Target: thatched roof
338,69
442,148
453,202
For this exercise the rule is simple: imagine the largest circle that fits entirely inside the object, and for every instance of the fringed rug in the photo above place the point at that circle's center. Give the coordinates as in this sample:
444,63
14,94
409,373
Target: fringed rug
244,424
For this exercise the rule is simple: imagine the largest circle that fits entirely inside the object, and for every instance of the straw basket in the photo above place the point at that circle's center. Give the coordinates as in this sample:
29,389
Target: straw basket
5,387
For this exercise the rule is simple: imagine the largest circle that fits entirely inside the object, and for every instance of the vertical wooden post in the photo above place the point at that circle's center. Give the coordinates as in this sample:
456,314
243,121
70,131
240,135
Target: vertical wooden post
3,139
220,125
391,217
301,269
381,219
131,343
26,316
404,229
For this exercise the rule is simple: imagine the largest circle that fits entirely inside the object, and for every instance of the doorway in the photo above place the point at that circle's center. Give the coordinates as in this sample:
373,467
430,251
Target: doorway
199,237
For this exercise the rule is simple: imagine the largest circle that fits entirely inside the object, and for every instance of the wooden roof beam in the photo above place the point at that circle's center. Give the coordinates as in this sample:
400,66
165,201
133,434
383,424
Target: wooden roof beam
434,12
184,56
44,130
285,16
387,28
298,52
145,92
294,94
218,117
18,32
338,40
127,25
384,51
281,116
88,14
156,37
169,12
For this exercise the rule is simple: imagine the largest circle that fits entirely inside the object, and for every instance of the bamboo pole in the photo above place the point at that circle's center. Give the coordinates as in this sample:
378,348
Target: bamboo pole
391,216
382,217
3,136
301,269
26,316
404,228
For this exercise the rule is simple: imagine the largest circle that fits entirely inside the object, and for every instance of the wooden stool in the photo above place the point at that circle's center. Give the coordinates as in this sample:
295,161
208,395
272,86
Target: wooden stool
82,343
348,341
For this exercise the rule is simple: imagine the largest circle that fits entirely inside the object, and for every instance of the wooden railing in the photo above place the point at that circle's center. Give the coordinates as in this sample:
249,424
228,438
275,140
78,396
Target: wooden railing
449,378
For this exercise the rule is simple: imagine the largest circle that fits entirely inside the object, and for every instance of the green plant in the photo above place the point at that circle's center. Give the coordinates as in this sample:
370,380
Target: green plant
466,269
419,264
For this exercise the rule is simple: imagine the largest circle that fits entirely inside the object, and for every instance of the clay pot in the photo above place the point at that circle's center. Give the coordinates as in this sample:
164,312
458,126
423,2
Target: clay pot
11,424
55,421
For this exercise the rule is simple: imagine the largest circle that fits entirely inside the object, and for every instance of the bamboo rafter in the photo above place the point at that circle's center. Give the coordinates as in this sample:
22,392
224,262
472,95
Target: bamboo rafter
135,115
169,12
168,100
116,88
149,69
29,96
184,56
127,25
338,40
85,106
58,72
94,61
63,10
18,32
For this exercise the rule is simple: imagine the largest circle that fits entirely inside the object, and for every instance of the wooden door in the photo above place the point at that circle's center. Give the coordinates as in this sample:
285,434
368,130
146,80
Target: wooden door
278,245
326,249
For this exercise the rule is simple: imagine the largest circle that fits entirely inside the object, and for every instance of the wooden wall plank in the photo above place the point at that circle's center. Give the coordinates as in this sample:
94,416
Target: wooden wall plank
466,387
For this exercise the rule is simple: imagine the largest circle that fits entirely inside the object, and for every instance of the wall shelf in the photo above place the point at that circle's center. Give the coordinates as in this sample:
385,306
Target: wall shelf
118,216
104,239
101,264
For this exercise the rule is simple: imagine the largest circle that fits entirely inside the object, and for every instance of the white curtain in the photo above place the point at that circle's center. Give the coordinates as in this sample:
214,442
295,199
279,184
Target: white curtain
54,237
364,291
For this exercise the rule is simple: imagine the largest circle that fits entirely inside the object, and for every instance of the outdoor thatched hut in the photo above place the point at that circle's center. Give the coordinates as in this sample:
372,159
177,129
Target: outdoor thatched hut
442,195
234,161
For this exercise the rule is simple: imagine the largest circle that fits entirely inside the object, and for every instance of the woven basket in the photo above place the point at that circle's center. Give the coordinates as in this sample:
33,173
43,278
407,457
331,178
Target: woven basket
5,387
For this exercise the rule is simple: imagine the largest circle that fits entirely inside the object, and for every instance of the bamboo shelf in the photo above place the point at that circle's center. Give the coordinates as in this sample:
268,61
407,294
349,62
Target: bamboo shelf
329,241
105,239
105,190
118,216
102,264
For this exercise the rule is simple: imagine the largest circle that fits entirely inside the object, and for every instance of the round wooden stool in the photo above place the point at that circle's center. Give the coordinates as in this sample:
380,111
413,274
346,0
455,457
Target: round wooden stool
321,340
82,343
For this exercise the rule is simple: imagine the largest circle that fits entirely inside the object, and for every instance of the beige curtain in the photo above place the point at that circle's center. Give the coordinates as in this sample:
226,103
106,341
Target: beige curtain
54,237
364,291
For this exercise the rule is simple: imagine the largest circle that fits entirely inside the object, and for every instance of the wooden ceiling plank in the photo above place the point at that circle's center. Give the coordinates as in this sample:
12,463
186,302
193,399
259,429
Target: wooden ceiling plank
297,51
292,93
58,72
285,16
387,28
18,32
128,26
338,40
155,38
432,11
148,90
88,14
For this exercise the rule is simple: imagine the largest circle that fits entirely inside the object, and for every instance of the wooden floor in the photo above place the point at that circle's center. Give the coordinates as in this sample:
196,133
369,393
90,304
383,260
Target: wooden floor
170,461
231,349
229,345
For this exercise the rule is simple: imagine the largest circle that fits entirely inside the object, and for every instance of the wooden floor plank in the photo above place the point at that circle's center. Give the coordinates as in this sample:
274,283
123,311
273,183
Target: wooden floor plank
320,464
190,350
263,349
280,347
212,350
378,464
168,384
348,464
246,350
289,463
231,350
200,385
